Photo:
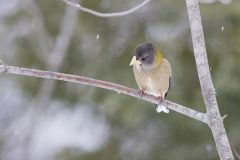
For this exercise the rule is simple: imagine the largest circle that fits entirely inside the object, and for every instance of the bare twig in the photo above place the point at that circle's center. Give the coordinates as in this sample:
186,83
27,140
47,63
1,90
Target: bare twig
103,84
208,90
100,14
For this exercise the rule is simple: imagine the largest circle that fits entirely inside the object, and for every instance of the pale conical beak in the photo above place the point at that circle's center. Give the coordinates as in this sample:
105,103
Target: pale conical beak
134,61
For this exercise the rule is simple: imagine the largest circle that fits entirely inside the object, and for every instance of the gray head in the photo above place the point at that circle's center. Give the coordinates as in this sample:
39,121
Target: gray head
145,53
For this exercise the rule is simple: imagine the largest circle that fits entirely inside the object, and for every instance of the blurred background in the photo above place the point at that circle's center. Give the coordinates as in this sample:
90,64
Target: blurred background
53,120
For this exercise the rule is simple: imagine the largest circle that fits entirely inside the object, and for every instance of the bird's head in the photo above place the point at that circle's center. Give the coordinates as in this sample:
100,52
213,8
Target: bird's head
146,55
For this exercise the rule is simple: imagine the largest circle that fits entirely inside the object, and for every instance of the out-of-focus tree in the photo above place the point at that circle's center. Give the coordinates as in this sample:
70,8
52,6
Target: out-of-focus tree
78,122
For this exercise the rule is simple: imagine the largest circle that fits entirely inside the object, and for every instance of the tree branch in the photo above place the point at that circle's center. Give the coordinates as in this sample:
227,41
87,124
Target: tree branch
208,90
100,14
103,84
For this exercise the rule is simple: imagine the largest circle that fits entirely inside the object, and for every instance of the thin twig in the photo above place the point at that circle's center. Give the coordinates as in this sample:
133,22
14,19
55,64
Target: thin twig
100,14
103,84
207,88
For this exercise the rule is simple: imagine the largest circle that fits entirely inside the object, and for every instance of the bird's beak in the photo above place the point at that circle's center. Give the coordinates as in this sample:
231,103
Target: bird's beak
134,61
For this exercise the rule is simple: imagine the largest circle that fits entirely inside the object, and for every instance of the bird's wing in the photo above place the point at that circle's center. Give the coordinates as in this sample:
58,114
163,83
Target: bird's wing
155,81
162,76
169,86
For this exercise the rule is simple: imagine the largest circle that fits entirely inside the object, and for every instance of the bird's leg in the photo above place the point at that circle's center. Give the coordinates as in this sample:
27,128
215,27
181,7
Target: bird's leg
161,105
160,101
141,92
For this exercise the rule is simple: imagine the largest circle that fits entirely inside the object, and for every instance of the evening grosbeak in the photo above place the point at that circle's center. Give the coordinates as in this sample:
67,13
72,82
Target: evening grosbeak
152,72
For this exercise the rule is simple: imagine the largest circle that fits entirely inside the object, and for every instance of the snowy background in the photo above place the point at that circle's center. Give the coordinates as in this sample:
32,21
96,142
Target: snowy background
51,120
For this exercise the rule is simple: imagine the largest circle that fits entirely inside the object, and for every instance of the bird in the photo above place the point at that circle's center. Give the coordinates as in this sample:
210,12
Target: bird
152,72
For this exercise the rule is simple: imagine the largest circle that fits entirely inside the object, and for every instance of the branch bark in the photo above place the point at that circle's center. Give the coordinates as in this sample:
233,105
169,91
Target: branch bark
100,14
103,84
208,91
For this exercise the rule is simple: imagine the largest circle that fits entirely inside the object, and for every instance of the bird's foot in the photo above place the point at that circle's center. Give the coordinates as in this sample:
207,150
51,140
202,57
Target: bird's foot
161,106
141,92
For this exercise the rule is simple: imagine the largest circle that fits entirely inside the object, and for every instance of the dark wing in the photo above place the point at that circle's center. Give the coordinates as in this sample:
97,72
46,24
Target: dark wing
168,87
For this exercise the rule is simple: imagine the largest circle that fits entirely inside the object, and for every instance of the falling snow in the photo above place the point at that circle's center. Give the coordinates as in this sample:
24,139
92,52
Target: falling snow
97,37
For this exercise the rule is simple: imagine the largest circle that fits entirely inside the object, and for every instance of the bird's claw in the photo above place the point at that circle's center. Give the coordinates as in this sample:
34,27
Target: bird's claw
161,99
141,92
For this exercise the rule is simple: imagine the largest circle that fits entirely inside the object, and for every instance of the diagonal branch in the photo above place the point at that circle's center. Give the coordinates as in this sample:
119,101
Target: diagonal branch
100,14
103,84
207,88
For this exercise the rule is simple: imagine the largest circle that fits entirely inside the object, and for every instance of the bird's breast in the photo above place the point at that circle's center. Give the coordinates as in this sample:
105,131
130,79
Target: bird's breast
153,81
152,88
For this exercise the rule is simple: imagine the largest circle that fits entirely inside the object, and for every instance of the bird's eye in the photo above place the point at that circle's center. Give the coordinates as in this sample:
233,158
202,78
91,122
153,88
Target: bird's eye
143,59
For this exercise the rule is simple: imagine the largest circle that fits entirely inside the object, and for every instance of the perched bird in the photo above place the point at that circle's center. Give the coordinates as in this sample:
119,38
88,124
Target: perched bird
152,72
